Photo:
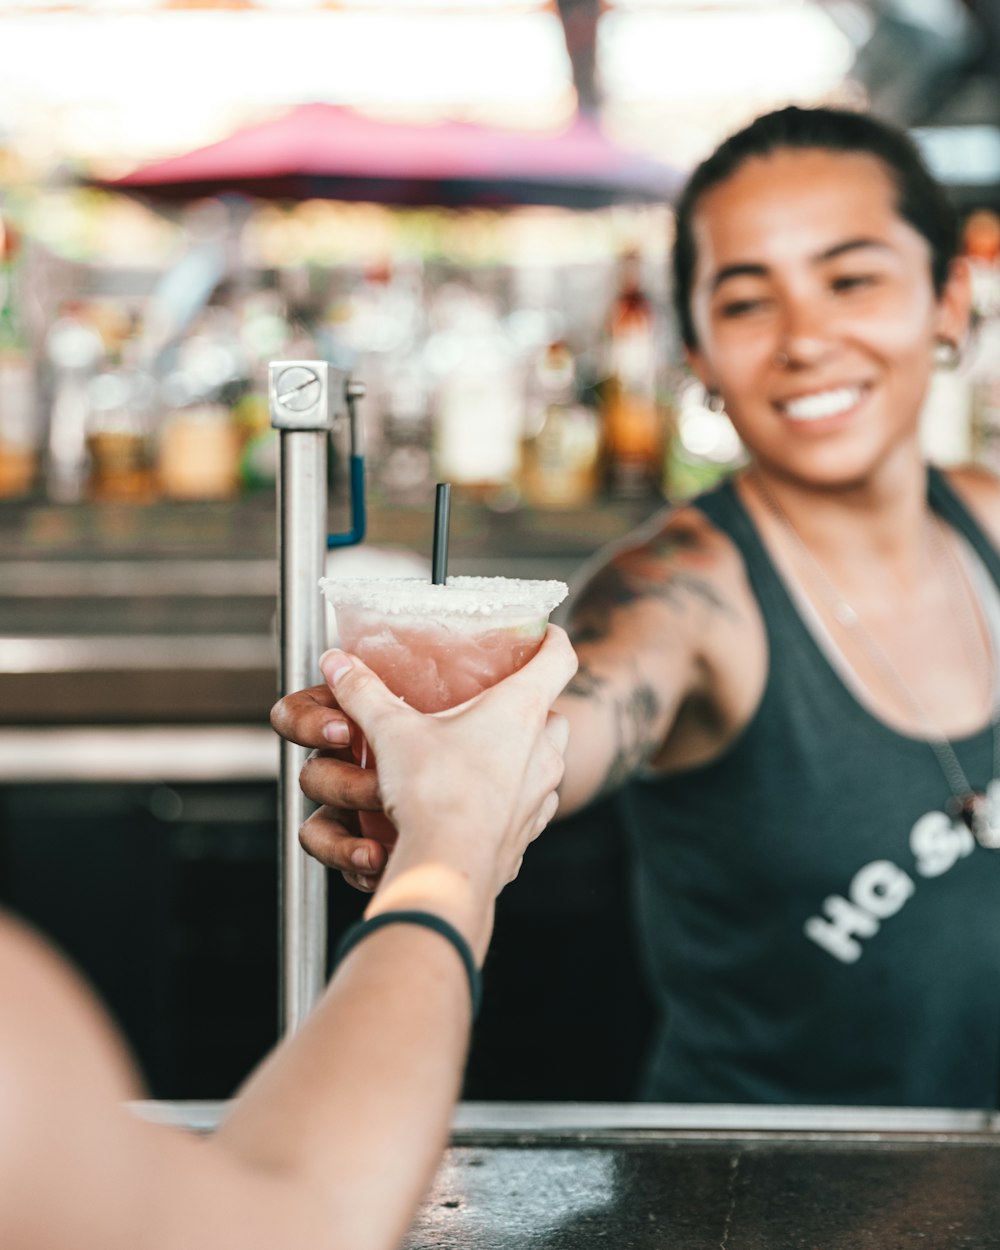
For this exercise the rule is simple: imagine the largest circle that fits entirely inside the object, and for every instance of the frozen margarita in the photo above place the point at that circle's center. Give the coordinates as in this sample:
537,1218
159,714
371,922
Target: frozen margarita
436,646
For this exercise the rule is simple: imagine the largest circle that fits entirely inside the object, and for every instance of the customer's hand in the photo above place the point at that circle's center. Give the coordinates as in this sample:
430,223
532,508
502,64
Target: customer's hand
468,788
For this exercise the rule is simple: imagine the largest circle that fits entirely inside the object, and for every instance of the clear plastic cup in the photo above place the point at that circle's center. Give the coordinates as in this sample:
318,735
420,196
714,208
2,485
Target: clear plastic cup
437,646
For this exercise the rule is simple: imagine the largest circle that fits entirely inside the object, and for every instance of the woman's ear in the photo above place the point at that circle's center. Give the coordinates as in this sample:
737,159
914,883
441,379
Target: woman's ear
698,365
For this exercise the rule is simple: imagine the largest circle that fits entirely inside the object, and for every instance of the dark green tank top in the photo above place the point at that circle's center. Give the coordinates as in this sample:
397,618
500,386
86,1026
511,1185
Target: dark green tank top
816,929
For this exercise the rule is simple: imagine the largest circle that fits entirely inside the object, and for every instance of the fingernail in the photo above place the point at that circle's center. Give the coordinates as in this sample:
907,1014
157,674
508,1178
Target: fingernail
334,664
337,733
361,858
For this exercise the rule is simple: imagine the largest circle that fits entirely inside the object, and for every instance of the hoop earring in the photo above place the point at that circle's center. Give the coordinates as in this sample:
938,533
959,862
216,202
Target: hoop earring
714,402
780,359
947,354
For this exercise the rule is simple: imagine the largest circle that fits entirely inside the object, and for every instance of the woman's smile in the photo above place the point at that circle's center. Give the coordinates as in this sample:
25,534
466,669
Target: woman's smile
822,405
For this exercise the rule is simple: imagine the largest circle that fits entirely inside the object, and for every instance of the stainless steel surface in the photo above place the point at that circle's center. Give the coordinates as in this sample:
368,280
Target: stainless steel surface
302,400
197,1116
353,392
588,1121
305,394
96,753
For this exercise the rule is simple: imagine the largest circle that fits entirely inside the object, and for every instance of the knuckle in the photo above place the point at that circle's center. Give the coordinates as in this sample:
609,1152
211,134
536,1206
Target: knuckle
309,835
558,770
356,680
308,773
554,766
534,709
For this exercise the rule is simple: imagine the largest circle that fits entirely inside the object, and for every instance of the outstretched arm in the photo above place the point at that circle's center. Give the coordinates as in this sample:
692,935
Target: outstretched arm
639,625
332,1142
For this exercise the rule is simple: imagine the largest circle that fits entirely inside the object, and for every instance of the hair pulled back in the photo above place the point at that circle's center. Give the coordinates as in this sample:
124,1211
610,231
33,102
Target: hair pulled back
921,198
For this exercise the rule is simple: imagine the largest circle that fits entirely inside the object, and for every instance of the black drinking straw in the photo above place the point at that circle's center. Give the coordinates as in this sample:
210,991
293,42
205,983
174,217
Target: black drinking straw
442,514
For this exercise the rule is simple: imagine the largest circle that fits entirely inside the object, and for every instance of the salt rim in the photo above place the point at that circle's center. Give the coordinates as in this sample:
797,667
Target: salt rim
461,596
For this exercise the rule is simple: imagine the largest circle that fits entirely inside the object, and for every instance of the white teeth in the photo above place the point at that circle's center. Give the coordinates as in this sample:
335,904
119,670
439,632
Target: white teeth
823,404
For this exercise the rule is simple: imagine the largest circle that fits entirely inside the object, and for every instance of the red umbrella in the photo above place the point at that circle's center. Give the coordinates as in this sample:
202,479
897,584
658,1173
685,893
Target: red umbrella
323,151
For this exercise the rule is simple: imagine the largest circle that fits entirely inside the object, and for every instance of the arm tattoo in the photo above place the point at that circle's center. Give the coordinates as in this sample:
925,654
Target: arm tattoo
673,569
653,572
635,715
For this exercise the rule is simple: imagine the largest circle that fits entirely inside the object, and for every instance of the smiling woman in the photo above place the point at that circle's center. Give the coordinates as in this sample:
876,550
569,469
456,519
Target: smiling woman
841,717
792,680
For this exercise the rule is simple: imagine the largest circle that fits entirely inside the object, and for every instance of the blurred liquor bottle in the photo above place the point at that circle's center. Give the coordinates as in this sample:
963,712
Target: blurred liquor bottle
18,383
972,383
119,435
633,424
405,472
478,398
198,453
73,351
561,450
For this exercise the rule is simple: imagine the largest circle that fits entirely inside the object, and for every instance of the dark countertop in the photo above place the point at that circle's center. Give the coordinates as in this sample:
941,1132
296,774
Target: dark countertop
640,1176
723,1195
687,1177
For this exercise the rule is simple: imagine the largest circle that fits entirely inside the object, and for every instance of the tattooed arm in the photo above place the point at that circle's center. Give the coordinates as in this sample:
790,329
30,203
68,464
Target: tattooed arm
640,626
659,630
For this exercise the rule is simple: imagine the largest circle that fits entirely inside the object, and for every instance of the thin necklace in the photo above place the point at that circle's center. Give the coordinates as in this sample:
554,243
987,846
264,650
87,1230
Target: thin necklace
976,809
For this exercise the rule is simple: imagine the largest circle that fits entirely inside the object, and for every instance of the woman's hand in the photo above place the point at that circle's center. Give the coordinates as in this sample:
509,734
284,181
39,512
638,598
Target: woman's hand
331,777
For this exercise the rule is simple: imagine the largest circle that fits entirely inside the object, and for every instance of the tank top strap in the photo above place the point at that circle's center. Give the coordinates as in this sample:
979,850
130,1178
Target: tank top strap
724,508
948,504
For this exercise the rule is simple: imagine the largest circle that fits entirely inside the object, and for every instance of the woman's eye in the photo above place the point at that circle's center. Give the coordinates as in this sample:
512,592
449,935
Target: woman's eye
740,307
853,281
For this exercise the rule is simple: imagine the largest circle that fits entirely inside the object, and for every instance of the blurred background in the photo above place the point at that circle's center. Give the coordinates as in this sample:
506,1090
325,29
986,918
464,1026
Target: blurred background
466,205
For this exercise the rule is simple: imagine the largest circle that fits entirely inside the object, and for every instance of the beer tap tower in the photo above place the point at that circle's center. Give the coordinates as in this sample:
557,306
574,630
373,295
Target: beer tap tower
308,399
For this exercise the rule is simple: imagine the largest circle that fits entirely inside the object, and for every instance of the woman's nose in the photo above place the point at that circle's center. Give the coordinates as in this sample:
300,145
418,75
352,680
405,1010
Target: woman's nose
803,338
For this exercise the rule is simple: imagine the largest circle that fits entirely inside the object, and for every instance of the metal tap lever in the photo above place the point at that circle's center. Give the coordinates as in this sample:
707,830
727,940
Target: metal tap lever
353,391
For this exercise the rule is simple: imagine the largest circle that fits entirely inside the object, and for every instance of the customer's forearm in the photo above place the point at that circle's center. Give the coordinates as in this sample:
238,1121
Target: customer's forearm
358,1103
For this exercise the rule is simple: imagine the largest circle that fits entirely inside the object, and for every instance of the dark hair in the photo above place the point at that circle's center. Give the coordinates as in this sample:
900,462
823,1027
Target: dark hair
921,199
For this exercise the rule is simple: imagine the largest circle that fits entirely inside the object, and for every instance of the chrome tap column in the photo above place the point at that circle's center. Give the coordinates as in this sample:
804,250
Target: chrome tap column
306,398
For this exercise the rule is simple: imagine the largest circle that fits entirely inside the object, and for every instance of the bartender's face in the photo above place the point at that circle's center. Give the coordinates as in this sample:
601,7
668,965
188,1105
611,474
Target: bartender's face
815,312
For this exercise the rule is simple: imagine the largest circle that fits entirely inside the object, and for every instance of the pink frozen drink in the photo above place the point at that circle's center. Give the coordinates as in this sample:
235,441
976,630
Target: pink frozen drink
437,646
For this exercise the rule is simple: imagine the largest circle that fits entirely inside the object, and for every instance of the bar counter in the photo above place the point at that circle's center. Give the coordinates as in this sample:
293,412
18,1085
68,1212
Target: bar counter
535,1176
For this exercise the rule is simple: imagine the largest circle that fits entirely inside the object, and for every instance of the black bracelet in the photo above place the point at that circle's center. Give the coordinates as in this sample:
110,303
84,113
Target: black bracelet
427,920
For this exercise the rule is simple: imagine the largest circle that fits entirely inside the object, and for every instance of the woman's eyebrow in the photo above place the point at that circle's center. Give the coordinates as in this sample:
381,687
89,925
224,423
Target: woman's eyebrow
754,269
850,245
739,270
